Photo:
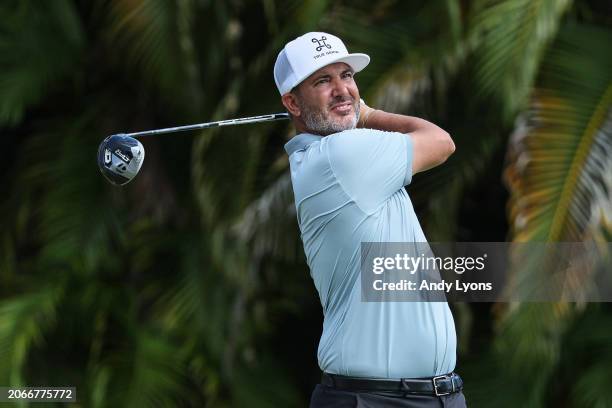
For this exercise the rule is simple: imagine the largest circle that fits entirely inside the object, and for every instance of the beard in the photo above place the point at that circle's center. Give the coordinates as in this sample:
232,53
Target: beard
318,121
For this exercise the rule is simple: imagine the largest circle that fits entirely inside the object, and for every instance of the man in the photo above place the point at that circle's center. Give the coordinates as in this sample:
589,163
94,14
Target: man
349,165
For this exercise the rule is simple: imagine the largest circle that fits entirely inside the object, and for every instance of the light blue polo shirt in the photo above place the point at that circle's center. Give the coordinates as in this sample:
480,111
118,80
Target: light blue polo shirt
349,188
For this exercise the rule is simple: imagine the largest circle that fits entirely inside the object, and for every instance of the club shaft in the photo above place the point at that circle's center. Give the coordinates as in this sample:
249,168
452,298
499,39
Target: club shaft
228,122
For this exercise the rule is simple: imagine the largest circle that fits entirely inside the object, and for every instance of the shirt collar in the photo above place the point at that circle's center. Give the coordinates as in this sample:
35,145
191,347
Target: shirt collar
300,142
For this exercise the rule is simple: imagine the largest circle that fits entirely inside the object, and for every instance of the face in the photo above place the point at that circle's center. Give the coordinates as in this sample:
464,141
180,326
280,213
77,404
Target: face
326,102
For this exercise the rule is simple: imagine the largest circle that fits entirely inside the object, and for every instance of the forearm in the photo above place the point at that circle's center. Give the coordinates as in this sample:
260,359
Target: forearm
431,144
392,122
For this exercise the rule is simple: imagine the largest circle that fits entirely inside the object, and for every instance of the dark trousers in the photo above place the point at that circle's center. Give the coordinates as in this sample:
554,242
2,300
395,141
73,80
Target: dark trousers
324,396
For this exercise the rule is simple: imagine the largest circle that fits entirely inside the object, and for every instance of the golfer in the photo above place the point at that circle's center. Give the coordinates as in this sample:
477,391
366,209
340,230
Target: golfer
349,165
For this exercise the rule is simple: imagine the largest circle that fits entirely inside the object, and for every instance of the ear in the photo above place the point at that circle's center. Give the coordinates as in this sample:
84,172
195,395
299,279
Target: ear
290,102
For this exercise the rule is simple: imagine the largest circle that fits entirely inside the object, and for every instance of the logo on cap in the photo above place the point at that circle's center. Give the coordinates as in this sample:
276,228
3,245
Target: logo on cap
322,40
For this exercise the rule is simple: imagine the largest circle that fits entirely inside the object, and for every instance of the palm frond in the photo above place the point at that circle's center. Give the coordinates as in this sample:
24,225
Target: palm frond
150,372
592,391
66,225
265,384
404,67
199,300
40,46
268,224
438,191
558,162
557,165
509,38
23,323
147,35
587,347
503,389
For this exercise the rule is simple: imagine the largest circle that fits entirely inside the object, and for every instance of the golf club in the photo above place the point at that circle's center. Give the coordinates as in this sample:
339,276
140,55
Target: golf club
120,156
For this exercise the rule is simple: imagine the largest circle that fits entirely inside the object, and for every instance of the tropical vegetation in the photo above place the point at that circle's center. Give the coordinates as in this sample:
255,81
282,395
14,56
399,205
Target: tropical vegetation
188,287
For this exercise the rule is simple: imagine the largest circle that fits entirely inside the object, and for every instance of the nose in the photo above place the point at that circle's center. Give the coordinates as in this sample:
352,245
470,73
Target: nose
339,88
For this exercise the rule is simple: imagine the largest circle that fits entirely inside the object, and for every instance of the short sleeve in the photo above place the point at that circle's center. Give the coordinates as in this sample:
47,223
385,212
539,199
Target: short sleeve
371,165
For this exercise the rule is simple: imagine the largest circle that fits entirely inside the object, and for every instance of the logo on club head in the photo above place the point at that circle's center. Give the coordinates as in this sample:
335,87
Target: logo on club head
107,157
321,43
121,168
122,156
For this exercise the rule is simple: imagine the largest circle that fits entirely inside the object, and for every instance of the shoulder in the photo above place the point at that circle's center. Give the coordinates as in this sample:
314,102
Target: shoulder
356,140
360,134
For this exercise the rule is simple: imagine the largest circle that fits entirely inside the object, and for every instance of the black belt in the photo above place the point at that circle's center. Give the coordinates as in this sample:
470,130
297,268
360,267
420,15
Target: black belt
439,385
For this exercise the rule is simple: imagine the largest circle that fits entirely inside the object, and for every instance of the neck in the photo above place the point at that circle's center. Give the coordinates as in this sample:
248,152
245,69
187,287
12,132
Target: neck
300,127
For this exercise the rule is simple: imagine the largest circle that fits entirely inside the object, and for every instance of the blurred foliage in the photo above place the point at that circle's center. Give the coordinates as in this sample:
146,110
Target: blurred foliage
188,287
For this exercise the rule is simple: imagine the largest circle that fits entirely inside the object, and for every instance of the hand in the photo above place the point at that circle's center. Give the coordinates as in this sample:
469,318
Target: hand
364,112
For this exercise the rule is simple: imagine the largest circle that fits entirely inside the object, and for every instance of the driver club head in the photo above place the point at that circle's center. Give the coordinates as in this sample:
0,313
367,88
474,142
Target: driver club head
120,158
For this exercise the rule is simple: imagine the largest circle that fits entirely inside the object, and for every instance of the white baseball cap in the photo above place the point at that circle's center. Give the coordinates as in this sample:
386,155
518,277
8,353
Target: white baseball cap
303,56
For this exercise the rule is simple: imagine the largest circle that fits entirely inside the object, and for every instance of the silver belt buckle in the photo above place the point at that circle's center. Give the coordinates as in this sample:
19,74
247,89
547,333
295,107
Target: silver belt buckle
441,377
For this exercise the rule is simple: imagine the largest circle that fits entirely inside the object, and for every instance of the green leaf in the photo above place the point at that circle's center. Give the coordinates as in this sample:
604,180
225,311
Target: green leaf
23,322
151,373
557,159
40,46
149,37
268,224
509,38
